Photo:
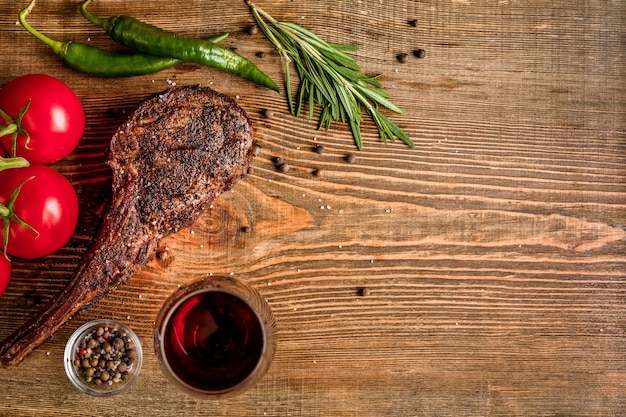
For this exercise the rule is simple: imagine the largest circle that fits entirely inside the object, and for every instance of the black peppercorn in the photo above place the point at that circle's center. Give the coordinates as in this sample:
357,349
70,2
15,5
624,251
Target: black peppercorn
132,354
253,29
413,22
118,343
319,149
419,53
403,58
350,158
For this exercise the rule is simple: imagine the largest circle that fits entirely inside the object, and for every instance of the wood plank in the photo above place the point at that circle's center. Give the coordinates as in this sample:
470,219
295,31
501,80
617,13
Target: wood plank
493,252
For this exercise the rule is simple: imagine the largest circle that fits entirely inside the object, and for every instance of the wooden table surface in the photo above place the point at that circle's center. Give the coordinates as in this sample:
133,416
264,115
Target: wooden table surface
493,252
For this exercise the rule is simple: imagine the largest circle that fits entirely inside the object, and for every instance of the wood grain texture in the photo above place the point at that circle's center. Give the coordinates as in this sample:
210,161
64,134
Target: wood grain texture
493,252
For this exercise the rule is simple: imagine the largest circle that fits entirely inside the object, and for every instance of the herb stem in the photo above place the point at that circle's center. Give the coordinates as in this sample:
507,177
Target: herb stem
330,78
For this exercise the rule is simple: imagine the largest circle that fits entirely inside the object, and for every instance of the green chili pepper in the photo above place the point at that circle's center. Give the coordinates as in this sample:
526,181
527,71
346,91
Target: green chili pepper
150,39
94,61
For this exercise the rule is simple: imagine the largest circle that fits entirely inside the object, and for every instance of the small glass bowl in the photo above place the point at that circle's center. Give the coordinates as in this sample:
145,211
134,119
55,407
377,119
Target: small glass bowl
86,341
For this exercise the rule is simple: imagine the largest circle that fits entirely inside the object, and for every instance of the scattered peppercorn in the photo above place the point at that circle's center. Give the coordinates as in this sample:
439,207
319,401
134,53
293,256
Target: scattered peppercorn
317,172
403,58
31,301
246,229
253,29
105,356
280,164
413,22
350,158
419,53
364,292
250,170
260,54
269,113
319,149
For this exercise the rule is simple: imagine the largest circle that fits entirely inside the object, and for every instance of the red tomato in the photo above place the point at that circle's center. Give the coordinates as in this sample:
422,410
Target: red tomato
47,202
54,121
5,273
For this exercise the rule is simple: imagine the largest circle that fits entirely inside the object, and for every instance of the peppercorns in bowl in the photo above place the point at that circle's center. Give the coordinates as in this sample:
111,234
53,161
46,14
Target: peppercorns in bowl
103,357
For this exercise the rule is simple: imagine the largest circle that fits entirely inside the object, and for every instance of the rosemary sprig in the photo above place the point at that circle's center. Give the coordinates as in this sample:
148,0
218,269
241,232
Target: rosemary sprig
329,77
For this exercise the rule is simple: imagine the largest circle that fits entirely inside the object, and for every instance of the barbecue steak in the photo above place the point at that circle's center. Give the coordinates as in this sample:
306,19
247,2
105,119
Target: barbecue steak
176,153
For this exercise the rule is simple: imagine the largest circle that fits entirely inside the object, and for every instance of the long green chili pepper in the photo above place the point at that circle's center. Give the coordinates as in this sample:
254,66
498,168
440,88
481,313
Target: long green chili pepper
94,61
150,39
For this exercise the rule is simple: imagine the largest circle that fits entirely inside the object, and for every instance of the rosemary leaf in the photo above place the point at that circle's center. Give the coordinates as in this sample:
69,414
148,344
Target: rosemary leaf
343,47
312,94
288,87
378,98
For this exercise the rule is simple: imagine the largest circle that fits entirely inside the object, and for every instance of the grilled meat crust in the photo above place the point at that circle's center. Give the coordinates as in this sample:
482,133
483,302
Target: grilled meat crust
174,155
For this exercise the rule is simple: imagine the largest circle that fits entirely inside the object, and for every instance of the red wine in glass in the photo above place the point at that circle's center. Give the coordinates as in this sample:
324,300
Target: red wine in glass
213,340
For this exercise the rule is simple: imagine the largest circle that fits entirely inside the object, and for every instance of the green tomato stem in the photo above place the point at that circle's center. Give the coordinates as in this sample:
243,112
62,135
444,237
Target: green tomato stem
8,163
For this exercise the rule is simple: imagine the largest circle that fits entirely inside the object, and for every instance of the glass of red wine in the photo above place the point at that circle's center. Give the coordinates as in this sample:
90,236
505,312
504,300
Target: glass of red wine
215,337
